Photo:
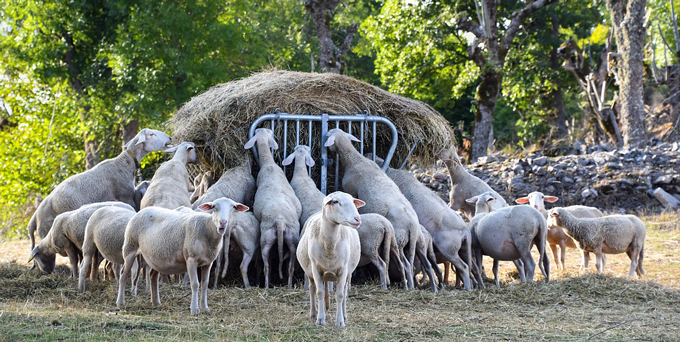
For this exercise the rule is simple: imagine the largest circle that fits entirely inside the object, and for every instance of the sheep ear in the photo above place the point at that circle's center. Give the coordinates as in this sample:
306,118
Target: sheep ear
490,199
288,159
309,160
33,254
522,200
353,138
472,200
142,137
330,141
273,144
206,206
359,203
250,143
551,199
241,207
171,149
554,213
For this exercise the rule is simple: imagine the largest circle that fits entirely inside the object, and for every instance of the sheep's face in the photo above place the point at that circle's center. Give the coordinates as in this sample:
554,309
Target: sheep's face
341,208
537,200
44,261
554,218
484,202
222,210
262,134
150,140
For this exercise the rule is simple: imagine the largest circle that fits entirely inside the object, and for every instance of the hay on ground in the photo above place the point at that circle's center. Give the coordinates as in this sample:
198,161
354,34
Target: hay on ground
218,120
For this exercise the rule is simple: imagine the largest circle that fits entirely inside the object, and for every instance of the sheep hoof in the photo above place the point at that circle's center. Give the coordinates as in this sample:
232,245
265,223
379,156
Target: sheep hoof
320,322
194,312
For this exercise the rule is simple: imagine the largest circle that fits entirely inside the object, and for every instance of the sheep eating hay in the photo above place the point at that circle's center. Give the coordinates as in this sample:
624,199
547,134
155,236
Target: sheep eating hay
218,119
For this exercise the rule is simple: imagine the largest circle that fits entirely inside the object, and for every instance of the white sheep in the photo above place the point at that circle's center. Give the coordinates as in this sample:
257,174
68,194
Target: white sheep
236,183
364,179
110,180
612,234
556,235
305,189
508,234
244,231
465,185
170,184
104,235
275,206
376,235
330,250
66,237
450,235
173,242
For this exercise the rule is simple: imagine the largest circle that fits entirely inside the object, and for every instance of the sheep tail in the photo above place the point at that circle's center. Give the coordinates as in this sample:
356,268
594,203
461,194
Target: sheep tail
280,227
32,226
544,260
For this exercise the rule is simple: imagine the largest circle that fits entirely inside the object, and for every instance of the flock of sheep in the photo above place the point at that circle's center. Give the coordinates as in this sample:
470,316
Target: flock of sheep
160,227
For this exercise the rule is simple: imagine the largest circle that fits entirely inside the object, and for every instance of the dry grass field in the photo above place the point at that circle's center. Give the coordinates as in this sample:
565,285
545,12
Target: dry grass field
573,306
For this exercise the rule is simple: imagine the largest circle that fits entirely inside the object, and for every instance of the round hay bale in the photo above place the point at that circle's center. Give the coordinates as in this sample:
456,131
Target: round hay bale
218,120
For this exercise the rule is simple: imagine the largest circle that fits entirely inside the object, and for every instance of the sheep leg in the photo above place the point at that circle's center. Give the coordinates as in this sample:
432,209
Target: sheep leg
529,265
553,248
563,255
218,267
380,264
266,242
313,310
478,274
462,267
84,270
598,262
205,278
495,273
192,269
244,268
129,260
585,260
446,272
427,269
320,294
73,260
155,294
340,298
604,262
292,242
397,258
640,271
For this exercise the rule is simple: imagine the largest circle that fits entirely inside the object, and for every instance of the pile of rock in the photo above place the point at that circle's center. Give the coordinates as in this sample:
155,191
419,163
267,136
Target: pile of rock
608,178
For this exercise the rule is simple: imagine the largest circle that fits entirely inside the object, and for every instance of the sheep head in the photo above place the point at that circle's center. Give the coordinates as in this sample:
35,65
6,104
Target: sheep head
222,210
147,141
264,134
537,200
341,208
337,133
304,150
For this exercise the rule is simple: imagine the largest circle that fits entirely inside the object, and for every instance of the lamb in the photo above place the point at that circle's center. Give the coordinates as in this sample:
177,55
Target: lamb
66,237
244,230
330,251
104,234
173,242
449,233
275,205
465,185
305,189
236,183
202,183
170,184
612,234
556,235
110,180
364,179
508,234
376,236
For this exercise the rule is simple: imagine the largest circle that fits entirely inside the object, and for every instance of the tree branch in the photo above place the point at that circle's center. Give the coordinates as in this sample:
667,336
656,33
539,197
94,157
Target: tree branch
349,35
518,19
468,25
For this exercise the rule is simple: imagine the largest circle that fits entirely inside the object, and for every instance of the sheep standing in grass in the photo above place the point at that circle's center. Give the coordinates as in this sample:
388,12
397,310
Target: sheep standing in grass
244,231
364,179
236,183
170,184
330,251
275,205
377,238
508,234
110,180
104,234
611,234
465,185
66,237
556,235
305,189
174,242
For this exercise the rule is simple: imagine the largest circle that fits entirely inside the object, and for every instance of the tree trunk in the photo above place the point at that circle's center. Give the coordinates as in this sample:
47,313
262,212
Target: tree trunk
331,57
487,95
130,130
556,95
628,18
